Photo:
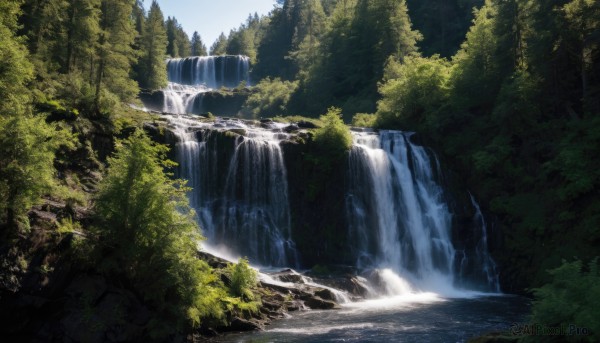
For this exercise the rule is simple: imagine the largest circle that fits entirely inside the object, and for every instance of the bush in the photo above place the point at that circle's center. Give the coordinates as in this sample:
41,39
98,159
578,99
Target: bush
149,236
270,98
243,278
334,137
364,120
572,298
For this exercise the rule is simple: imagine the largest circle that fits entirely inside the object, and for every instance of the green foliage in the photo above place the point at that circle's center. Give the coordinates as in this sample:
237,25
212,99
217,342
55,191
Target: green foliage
219,47
243,279
413,91
270,98
571,298
28,146
149,236
15,69
364,119
334,137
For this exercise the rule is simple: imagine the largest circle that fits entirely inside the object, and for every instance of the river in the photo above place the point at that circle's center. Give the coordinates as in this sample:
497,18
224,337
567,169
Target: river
414,318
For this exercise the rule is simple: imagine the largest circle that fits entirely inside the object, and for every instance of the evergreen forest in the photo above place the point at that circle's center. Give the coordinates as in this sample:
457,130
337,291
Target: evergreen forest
506,92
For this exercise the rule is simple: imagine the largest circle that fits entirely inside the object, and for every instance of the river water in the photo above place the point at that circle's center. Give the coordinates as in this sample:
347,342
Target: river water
414,318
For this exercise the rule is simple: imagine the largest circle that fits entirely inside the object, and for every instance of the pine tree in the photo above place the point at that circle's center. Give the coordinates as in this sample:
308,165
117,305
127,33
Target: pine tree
219,47
154,48
15,69
198,47
149,236
115,56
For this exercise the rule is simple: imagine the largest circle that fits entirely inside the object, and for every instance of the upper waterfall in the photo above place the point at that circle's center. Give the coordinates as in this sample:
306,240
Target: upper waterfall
211,71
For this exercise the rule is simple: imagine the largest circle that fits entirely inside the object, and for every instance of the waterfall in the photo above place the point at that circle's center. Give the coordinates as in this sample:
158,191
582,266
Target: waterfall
397,211
399,217
182,99
239,187
487,264
213,72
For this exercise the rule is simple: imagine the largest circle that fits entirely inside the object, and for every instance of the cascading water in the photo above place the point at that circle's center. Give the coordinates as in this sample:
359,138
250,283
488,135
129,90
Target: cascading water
182,99
191,78
487,264
239,187
398,215
399,218
211,71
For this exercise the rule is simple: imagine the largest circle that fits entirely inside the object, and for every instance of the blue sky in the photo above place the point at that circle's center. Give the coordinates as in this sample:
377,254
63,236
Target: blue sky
211,17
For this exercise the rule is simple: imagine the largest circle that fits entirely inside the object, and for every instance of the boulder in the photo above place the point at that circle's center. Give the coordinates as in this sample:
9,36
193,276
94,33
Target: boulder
303,124
325,294
288,275
317,303
240,324
291,128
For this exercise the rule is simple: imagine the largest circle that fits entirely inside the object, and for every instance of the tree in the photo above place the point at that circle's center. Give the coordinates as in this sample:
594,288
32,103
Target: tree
361,36
198,48
443,23
178,42
154,48
27,172
81,31
413,91
115,56
219,47
149,235
15,68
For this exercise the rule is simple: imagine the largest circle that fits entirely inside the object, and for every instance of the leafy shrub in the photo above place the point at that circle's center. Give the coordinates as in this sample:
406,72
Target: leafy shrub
334,136
573,297
270,97
364,120
243,278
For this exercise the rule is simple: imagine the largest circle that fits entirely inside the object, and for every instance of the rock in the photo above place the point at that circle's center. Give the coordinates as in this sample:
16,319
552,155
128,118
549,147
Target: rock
303,124
325,294
316,303
288,275
213,261
240,324
357,286
92,287
291,128
240,132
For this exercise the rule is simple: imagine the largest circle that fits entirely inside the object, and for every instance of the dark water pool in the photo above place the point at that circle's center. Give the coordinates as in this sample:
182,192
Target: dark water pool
424,318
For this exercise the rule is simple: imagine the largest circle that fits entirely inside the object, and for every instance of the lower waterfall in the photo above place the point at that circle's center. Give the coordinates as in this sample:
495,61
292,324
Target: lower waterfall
397,212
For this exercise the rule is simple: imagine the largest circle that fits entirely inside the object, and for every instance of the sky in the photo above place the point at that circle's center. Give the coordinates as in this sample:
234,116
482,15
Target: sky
211,17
